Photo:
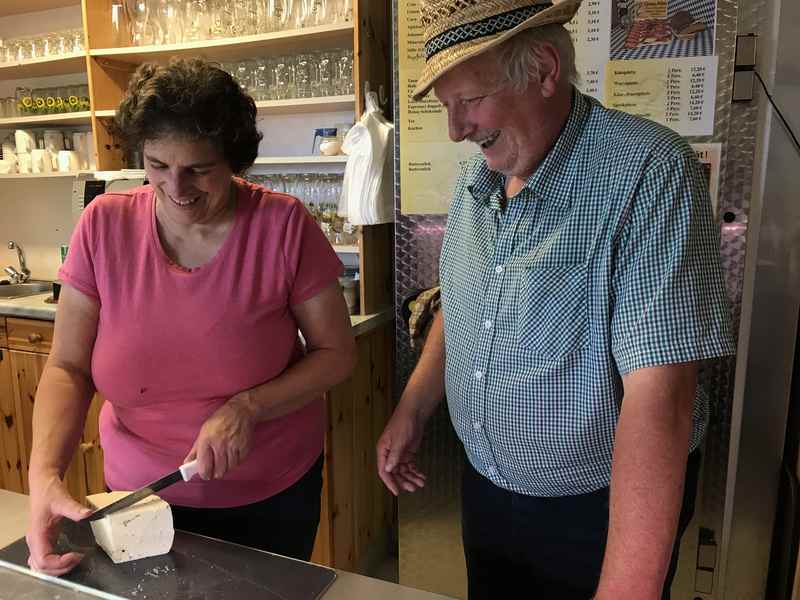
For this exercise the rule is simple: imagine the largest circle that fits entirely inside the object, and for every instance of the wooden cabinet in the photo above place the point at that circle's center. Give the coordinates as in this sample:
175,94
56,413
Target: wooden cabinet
22,360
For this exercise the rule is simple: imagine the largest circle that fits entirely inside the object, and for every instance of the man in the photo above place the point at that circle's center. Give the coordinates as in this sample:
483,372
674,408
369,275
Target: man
581,288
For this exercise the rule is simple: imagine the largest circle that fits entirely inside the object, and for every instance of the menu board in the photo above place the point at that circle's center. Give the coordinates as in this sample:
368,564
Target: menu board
679,93
429,161
653,58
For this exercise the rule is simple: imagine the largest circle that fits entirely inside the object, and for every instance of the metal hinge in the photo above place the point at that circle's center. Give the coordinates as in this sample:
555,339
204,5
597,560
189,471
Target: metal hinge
744,68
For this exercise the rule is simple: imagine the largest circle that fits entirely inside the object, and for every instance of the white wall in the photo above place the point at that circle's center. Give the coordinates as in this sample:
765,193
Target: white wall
37,214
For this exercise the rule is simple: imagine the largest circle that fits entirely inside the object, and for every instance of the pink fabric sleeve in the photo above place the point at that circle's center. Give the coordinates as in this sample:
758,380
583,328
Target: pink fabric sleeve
311,263
78,268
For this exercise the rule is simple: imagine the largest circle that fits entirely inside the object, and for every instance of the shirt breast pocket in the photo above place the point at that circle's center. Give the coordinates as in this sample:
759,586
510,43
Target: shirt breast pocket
552,316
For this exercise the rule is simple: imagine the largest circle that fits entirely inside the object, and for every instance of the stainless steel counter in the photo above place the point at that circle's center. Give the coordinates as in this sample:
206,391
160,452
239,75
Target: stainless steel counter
35,307
348,586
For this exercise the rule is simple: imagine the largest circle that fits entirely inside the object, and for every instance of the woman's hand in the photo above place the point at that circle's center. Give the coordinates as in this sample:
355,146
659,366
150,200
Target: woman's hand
225,438
50,501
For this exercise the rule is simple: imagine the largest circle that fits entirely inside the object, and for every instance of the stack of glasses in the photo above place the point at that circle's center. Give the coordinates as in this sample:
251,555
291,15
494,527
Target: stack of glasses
45,101
320,193
311,74
175,21
41,46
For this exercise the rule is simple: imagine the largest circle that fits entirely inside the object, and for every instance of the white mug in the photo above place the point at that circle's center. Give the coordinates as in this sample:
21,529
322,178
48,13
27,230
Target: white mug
25,140
24,162
68,161
8,166
41,162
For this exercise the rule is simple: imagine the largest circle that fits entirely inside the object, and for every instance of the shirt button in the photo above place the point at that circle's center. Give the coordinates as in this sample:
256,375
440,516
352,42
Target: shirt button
487,324
498,269
478,374
476,426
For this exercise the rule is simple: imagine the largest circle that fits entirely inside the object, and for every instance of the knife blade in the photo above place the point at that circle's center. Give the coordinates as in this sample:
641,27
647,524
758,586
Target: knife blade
184,473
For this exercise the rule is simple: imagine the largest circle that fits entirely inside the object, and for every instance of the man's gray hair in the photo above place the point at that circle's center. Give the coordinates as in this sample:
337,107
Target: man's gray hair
520,57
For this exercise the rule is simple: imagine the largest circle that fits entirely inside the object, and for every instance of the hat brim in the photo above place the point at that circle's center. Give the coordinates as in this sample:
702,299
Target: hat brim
446,60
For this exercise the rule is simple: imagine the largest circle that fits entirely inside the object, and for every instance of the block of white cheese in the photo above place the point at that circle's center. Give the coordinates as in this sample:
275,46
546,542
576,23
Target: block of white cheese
139,531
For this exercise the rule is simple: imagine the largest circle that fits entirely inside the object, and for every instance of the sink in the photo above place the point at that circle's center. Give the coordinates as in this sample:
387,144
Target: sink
20,290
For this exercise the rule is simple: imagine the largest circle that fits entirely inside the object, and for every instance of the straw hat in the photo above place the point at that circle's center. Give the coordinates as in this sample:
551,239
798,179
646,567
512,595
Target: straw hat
457,30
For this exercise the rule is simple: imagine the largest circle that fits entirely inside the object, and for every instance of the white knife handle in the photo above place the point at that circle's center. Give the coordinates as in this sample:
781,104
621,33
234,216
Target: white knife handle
189,470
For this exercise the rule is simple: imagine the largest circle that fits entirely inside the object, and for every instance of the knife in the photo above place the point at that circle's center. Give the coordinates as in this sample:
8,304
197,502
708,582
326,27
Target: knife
184,473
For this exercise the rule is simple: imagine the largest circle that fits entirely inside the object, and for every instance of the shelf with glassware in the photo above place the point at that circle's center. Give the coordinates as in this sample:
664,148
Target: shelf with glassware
321,37
74,62
113,57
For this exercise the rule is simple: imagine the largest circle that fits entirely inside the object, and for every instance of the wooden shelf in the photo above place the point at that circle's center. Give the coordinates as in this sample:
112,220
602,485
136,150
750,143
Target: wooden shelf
326,36
37,175
301,160
17,7
287,107
306,105
76,118
65,64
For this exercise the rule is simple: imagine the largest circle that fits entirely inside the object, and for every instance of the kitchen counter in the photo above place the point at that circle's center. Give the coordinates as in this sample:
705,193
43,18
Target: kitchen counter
348,586
35,307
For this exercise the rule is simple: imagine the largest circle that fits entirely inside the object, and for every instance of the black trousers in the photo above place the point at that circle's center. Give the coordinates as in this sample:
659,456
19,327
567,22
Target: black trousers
283,524
551,548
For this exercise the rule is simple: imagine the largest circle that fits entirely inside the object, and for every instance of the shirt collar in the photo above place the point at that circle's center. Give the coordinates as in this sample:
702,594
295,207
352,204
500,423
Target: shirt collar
485,182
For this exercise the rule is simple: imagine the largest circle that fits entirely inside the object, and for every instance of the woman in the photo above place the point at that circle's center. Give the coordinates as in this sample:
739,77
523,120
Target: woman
181,306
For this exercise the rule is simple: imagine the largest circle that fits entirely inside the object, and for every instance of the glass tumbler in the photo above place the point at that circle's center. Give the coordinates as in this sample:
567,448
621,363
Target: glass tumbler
303,76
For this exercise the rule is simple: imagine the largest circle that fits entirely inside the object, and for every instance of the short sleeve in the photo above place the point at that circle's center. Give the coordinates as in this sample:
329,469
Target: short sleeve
78,270
668,295
311,263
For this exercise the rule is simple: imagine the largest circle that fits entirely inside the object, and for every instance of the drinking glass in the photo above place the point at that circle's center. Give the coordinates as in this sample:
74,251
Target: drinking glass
198,19
243,72
138,13
77,40
73,98
343,72
83,97
39,102
283,78
119,26
62,99
51,106
24,100
303,76
324,82
167,22
222,16
261,79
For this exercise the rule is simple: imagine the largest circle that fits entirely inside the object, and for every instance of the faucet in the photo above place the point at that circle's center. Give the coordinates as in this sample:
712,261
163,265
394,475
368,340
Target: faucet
24,273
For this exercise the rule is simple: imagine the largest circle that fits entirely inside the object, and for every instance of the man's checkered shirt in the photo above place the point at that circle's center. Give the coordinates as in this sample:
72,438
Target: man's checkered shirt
606,262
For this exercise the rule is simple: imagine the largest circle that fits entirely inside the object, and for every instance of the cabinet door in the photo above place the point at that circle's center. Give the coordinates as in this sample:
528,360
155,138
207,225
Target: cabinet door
27,369
11,475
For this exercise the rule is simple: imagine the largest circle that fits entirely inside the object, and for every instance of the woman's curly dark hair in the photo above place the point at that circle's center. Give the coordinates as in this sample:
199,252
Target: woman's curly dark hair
189,98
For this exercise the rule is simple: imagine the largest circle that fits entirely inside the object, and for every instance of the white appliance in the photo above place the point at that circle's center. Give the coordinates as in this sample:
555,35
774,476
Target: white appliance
88,185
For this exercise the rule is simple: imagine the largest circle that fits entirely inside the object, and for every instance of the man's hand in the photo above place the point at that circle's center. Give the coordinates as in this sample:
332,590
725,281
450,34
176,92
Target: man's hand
397,449
225,439
50,501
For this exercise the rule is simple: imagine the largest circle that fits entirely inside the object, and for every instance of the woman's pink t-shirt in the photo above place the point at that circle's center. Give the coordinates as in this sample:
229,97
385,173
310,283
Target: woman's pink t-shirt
173,345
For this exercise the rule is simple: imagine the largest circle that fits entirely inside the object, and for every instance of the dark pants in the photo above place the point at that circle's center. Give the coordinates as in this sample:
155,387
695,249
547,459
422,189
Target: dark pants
550,548
283,524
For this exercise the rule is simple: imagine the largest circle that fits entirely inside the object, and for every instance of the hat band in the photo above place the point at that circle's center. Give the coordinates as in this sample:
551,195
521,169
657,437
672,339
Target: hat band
483,28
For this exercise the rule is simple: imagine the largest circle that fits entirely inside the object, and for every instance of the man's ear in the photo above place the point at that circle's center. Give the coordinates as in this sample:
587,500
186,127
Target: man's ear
549,69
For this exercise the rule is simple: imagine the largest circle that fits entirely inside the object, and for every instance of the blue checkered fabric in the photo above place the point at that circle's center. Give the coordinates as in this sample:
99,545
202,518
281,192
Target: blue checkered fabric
702,44
606,262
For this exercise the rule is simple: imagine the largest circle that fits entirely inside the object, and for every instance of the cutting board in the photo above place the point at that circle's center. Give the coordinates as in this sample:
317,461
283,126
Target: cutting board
197,568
